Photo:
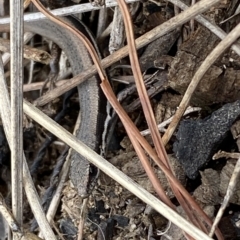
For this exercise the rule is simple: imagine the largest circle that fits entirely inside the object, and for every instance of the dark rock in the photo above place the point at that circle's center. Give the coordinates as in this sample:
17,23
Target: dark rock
68,229
198,140
122,221
228,229
158,48
106,232
235,219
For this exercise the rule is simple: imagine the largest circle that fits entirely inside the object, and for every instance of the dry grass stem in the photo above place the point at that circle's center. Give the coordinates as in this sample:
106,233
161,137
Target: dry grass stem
8,216
112,171
17,231
161,126
82,220
223,154
16,136
80,8
63,178
30,190
28,52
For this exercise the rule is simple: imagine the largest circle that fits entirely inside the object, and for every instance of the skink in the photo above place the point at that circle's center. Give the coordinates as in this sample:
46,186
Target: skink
91,99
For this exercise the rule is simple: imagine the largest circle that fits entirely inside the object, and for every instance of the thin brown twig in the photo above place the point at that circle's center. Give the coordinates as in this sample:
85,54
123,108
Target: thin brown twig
26,3
147,109
132,128
147,167
148,112
143,96
28,52
223,154
96,60
38,85
192,20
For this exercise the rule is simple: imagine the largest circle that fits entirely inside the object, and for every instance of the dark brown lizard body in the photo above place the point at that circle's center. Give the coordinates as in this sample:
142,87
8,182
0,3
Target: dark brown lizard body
91,99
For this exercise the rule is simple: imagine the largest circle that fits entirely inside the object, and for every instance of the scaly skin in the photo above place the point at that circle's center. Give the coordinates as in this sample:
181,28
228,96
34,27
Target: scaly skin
91,99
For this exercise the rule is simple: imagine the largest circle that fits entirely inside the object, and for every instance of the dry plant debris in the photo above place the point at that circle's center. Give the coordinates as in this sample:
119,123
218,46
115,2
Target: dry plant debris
113,212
